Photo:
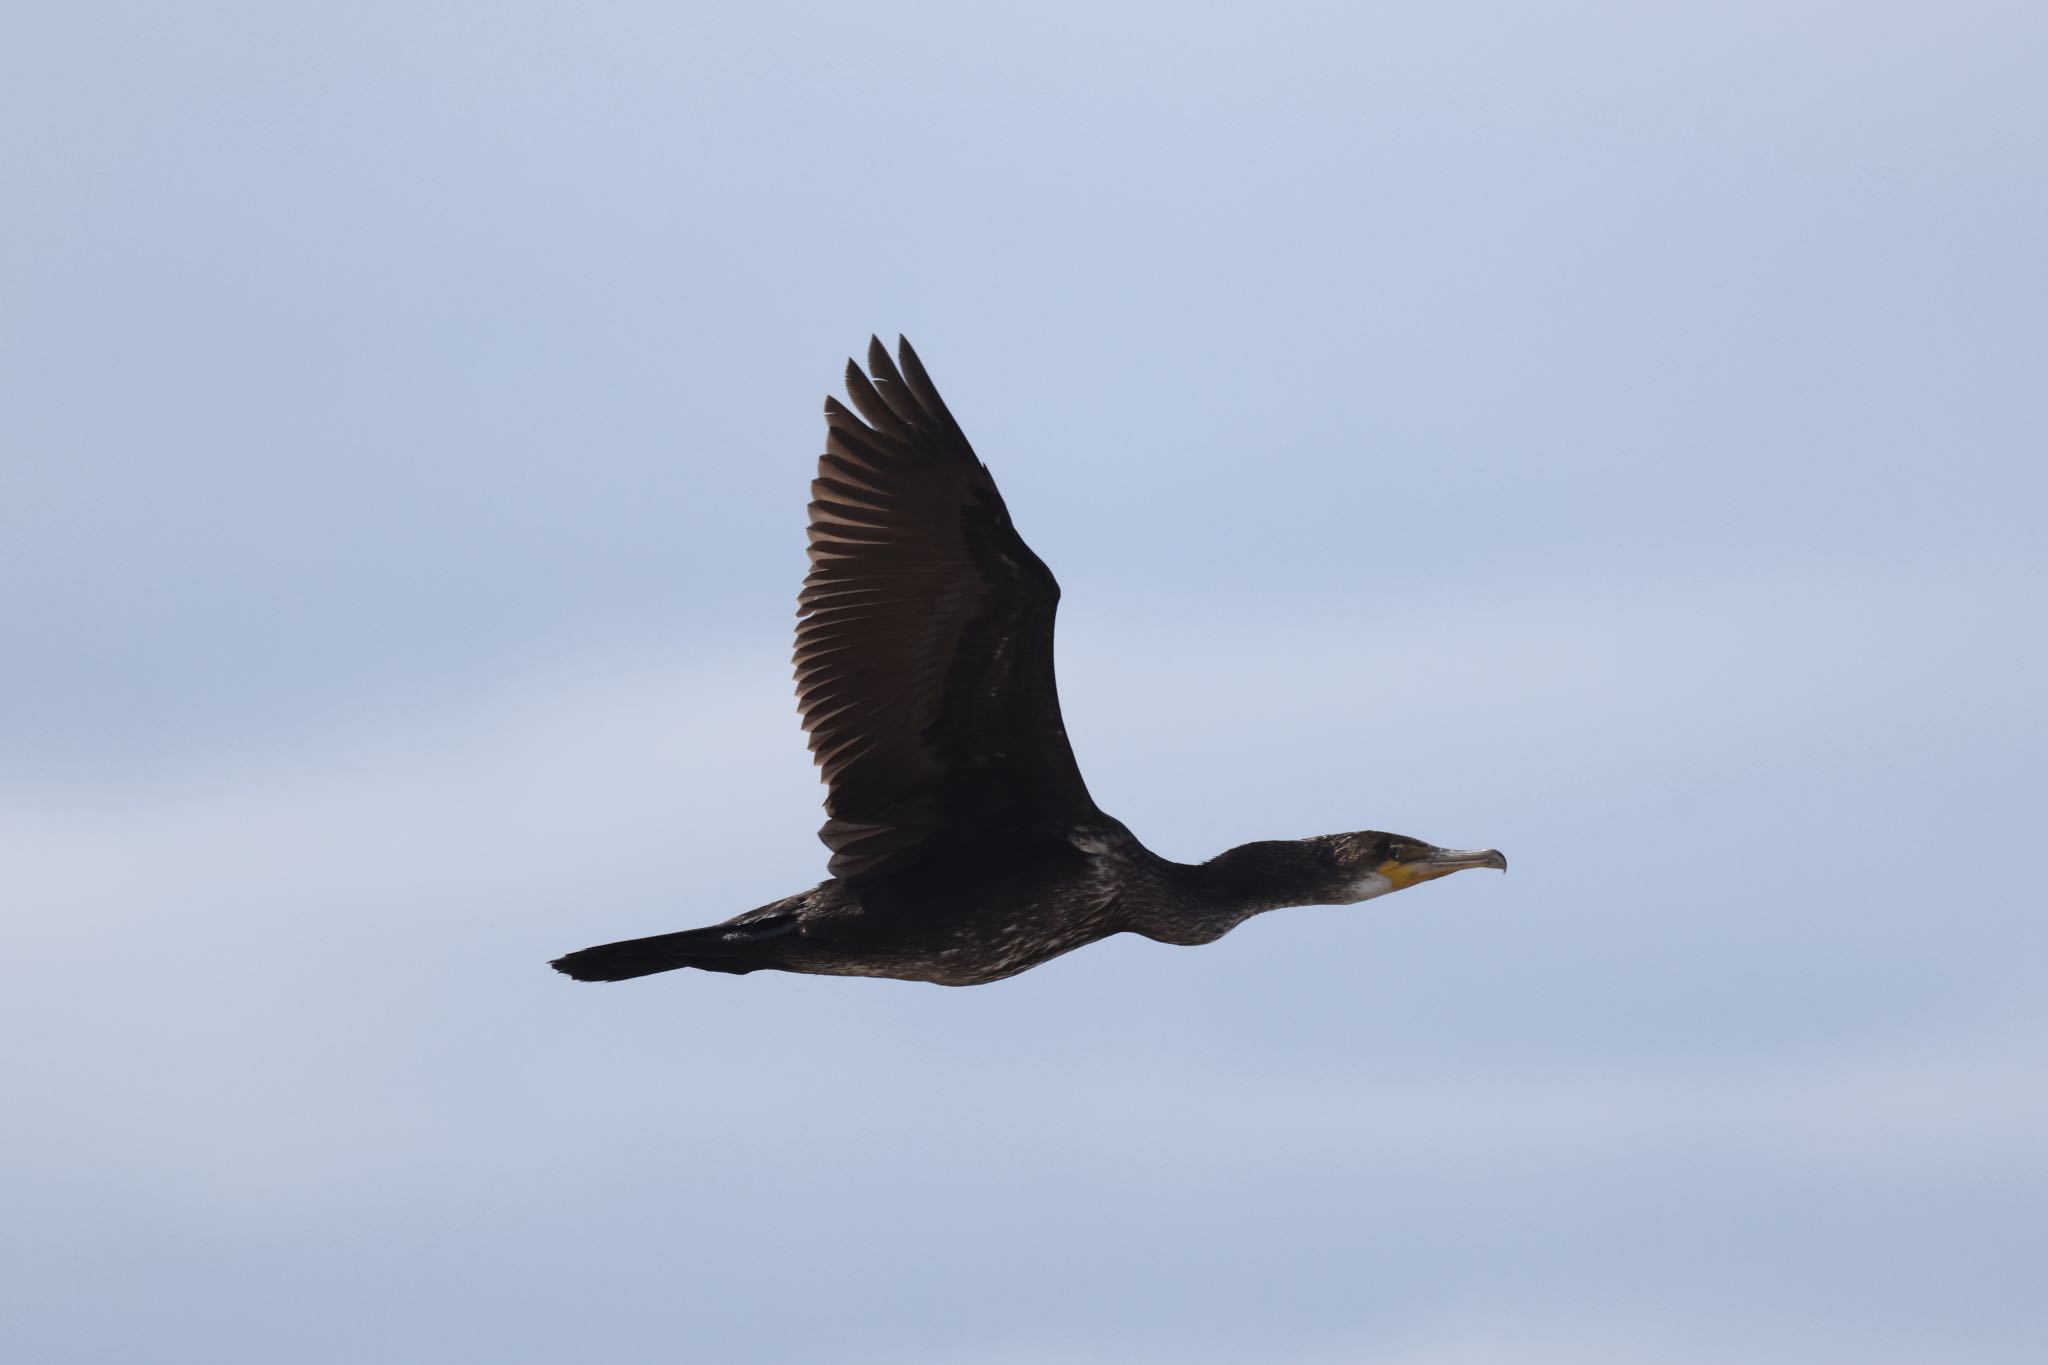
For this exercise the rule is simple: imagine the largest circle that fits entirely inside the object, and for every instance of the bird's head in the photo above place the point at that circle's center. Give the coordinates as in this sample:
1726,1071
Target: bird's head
1372,863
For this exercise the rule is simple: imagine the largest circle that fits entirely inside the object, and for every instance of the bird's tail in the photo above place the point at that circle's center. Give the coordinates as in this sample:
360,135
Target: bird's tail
745,947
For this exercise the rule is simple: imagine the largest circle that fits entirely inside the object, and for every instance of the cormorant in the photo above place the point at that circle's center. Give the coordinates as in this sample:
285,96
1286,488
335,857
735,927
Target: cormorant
965,847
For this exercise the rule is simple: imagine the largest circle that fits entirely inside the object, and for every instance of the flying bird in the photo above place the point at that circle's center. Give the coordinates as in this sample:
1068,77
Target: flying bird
965,846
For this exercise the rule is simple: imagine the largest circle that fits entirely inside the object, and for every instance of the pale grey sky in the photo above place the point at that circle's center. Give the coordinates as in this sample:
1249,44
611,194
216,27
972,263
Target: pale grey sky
1610,432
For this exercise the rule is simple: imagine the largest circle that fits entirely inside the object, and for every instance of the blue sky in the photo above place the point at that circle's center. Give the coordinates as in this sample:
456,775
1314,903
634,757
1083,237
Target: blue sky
1612,433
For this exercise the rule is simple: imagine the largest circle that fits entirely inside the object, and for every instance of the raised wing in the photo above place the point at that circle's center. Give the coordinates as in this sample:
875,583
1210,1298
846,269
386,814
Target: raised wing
924,659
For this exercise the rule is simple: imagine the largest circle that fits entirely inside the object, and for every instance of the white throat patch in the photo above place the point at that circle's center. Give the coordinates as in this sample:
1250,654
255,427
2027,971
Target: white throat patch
1370,885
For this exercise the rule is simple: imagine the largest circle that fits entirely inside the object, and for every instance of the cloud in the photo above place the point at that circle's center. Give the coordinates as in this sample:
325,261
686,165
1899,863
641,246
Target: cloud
225,909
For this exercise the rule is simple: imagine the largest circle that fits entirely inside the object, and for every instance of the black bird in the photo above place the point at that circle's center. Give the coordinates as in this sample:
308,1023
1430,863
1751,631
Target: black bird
965,847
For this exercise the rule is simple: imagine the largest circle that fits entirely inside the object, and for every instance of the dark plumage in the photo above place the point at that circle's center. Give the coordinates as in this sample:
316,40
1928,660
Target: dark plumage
965,846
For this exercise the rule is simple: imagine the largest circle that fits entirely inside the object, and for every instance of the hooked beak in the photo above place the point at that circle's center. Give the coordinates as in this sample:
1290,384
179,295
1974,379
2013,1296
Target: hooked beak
1441,862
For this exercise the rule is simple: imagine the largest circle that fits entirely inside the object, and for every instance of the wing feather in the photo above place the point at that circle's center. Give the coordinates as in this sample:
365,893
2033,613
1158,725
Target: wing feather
924,660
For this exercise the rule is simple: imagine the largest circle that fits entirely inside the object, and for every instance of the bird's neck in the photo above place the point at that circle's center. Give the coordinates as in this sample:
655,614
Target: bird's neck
1203,901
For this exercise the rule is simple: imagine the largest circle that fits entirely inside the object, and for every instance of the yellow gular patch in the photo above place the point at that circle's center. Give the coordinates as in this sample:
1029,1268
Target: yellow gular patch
1404,875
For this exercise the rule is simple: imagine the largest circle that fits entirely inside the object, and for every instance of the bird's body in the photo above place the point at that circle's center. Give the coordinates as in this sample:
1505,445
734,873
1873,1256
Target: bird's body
965,846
